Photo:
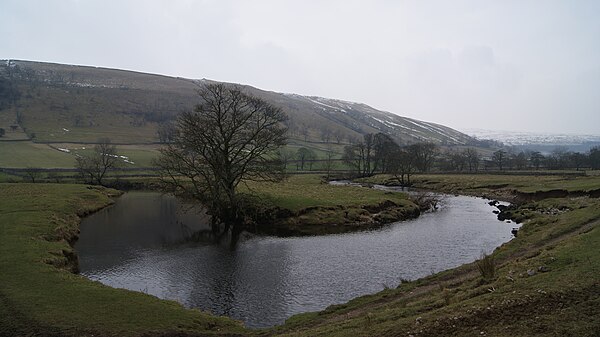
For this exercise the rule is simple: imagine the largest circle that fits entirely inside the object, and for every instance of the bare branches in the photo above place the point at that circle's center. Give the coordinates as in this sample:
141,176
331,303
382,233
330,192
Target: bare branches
229,138
93,167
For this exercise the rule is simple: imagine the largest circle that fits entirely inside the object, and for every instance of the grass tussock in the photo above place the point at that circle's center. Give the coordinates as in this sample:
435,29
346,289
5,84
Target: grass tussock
487,267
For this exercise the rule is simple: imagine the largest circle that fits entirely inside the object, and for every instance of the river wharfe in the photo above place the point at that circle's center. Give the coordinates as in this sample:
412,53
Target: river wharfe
142,243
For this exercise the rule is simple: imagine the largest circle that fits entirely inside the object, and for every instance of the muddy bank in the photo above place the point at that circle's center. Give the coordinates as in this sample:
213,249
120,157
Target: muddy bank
557,193
321,220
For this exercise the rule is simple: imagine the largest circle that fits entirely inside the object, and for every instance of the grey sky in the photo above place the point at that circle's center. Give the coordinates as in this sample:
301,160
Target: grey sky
511,65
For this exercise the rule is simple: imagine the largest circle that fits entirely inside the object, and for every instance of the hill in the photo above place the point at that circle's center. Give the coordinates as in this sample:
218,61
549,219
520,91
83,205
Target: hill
539,141
57,103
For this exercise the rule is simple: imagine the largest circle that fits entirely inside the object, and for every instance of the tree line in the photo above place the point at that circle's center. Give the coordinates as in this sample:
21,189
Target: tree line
379,153
559,159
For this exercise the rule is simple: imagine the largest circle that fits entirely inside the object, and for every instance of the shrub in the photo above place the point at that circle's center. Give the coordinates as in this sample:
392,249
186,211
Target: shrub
487,267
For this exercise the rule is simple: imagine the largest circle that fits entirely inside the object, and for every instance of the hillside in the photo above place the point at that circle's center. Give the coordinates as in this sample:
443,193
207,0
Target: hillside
64,103
544,142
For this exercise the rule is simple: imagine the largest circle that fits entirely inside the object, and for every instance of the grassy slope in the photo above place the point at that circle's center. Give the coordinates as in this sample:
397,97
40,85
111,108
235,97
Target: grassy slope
24,154
125,106
525,184
497,184
302,191
36,297
28,154
562,235
564,301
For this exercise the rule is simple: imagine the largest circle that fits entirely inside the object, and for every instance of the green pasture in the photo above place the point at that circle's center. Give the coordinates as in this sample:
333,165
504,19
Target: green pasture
39,295
28,154
302,191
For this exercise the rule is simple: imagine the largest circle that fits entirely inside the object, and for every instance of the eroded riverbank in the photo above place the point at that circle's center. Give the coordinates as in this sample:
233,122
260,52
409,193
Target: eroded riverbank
267,279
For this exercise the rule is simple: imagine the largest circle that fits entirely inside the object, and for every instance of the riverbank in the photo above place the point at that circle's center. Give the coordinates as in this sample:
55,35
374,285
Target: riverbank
307,205
511,188
40,296
39,222
542,283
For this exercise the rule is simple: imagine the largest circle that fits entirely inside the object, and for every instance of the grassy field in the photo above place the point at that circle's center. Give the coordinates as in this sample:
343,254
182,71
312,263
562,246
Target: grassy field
40,296
8,178
525,184
308,190
28,154
542,283
314,207
24,154
497,184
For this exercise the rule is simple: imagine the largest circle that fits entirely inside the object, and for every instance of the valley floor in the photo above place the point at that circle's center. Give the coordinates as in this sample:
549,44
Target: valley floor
542,283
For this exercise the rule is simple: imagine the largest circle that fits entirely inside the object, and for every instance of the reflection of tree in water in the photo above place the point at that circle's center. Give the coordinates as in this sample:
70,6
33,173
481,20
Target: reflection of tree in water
194,224
265,280
223,286
248,283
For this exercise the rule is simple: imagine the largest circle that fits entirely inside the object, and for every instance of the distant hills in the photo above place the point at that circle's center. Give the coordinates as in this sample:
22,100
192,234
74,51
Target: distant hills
65,103
539,141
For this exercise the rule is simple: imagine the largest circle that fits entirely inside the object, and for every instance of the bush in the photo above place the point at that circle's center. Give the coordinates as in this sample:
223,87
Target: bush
487,267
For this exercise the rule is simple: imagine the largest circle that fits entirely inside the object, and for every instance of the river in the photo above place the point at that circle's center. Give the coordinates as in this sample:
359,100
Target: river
142,243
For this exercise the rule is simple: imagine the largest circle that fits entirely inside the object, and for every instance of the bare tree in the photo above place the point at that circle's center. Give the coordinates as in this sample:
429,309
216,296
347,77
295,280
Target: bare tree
285,155
473,158
383,146
338,135
423,155
457,160
33,174
328,163
53,177
230,137
304,132
370,155
594,158
519,160
94,166
325,134
578,160
166,132
499,158
536,159
353,157
305,156
402,165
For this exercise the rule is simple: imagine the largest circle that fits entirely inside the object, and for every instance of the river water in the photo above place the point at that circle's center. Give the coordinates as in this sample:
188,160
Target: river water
142,243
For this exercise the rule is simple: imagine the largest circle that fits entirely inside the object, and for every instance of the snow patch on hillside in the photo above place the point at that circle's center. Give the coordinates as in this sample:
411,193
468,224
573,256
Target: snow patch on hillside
530,138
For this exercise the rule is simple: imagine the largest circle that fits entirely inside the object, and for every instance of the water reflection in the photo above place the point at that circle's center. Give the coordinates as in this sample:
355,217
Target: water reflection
141,243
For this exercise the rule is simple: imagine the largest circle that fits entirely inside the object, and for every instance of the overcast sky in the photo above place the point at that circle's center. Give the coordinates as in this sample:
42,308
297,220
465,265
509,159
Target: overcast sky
510,65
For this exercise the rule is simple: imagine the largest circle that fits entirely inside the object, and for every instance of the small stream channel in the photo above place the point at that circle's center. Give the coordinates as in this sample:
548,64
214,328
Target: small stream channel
141,243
